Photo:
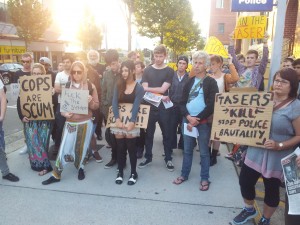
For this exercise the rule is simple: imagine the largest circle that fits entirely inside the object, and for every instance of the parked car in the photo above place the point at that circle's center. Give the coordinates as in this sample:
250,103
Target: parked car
7,70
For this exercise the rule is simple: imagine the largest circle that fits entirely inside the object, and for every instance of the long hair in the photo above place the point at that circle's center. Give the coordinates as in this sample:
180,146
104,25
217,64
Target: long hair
121,83
82,67
39,66
290,75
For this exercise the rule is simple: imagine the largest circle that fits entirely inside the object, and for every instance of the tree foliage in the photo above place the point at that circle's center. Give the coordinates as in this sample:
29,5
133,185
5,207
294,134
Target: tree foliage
30,18
90,33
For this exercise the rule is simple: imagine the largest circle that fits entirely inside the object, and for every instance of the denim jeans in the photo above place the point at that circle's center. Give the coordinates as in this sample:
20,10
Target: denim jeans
162,116
3,163
175,120
189,144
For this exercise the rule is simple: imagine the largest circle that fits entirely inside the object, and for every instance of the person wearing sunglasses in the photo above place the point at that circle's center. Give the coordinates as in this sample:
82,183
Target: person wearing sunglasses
37,134
77,132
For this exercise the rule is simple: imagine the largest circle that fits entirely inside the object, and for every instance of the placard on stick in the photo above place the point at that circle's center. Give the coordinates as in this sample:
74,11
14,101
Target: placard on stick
36,97
125,115
249,27
243,118
74,101
215,47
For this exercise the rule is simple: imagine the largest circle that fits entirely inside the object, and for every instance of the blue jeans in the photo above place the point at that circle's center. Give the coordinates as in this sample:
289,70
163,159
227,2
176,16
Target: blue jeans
189,144
3,163
162,116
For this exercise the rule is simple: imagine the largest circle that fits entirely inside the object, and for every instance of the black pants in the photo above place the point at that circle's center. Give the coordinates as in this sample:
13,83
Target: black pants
248,179
111,140
140,141
124,144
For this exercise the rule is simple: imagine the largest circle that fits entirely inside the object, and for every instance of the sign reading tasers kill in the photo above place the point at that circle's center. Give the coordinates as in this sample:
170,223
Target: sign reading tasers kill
74,101
249,27
125,115
251,5
243,118
36,97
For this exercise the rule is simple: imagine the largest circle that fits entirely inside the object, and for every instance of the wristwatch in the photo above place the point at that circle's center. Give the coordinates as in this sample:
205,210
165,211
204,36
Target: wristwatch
280,145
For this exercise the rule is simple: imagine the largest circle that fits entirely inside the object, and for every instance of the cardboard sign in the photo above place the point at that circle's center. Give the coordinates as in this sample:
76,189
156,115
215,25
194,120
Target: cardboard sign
243,118
36,97
74,101
125,115
215,47
14,91
249,27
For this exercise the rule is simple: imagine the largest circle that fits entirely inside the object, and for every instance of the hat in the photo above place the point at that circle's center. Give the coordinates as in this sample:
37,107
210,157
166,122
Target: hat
45,60
184,58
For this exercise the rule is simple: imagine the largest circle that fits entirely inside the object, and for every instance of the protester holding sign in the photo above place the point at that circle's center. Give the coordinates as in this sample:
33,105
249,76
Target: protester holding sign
127,90
224,81
78,128
250,74
37,132
265,161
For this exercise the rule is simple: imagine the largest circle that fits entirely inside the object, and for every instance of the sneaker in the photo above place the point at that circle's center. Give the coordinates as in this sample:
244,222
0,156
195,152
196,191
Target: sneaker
111,163
170,166
51,180
81,175
132,179
119,179
244,216
144,163
97,157
11,177
263,221
23,150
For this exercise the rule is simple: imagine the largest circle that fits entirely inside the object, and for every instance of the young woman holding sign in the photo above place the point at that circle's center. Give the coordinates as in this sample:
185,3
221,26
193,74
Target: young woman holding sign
37,134
127,90
265,162
78,128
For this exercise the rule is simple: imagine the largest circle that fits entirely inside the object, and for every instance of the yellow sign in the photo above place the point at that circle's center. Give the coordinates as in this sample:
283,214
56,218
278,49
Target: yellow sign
215,47
249,27
243,118
12,50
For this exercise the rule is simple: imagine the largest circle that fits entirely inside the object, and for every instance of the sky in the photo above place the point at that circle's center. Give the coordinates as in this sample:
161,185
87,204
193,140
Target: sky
68,16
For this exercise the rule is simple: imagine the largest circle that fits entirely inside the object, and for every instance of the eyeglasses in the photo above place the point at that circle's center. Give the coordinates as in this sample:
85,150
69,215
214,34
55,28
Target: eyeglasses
79,72
23,61
282,82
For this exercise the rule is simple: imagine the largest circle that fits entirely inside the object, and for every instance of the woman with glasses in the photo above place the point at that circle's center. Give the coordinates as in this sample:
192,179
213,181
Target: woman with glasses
265,162
37,134
78,128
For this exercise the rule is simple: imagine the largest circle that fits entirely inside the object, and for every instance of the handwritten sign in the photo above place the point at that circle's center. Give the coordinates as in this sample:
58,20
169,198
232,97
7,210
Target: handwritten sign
125,115
74,101
215,47
36,97
14,91
243,118
249,27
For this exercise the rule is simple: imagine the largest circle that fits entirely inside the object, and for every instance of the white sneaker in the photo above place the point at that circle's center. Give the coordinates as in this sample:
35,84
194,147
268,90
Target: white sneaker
23,150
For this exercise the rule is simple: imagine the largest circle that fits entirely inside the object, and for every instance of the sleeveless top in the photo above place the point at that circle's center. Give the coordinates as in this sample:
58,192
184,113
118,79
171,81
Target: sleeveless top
128,98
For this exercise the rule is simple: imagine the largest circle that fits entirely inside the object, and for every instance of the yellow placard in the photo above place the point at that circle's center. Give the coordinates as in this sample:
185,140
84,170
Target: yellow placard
249,27
125,114
12,50
243,118
215,47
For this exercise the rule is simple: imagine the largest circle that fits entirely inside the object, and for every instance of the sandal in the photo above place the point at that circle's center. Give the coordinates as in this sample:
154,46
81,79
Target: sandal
43,172
204,185
179,180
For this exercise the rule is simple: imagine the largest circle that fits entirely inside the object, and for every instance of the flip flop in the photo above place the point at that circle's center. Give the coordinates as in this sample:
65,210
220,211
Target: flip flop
204,185
179,180
43,172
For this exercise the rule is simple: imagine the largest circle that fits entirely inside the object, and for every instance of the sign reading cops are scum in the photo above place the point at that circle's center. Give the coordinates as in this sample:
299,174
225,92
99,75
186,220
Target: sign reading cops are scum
251,5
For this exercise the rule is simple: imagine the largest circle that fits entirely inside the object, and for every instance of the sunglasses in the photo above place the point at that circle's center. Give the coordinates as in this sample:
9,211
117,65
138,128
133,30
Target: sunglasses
23,61
79,72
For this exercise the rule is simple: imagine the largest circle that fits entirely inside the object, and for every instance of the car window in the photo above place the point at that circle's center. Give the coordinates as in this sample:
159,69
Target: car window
10,66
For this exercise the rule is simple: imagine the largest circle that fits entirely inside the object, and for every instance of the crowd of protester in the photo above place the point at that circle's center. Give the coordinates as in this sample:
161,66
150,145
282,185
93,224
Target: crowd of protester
192,95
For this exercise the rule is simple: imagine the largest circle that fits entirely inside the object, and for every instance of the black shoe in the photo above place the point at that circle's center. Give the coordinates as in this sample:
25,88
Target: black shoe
81,175
51,180
144,163
244,216
11,177
111,163
119,179
132,179
99,137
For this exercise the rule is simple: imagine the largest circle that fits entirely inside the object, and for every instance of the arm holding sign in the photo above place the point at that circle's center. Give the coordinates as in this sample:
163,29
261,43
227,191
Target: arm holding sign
22,118
239,66
233,76
93,99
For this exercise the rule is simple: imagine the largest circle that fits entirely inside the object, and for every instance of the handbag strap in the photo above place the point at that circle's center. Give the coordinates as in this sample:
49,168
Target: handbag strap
282,104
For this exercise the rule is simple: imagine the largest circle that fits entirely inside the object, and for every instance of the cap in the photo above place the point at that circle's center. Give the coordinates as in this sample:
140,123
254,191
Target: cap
183,57
45,60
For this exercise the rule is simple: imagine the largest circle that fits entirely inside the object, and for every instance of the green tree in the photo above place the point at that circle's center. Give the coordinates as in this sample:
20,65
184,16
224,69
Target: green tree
30,18
90,33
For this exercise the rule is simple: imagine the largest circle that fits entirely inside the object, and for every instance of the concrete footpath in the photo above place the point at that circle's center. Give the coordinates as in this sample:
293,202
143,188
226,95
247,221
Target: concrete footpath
98,200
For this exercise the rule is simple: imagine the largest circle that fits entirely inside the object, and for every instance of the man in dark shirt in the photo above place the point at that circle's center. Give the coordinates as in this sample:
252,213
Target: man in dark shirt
157,79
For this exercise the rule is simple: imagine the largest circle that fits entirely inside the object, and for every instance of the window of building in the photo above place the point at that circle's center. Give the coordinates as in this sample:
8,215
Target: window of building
220,4
221,28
